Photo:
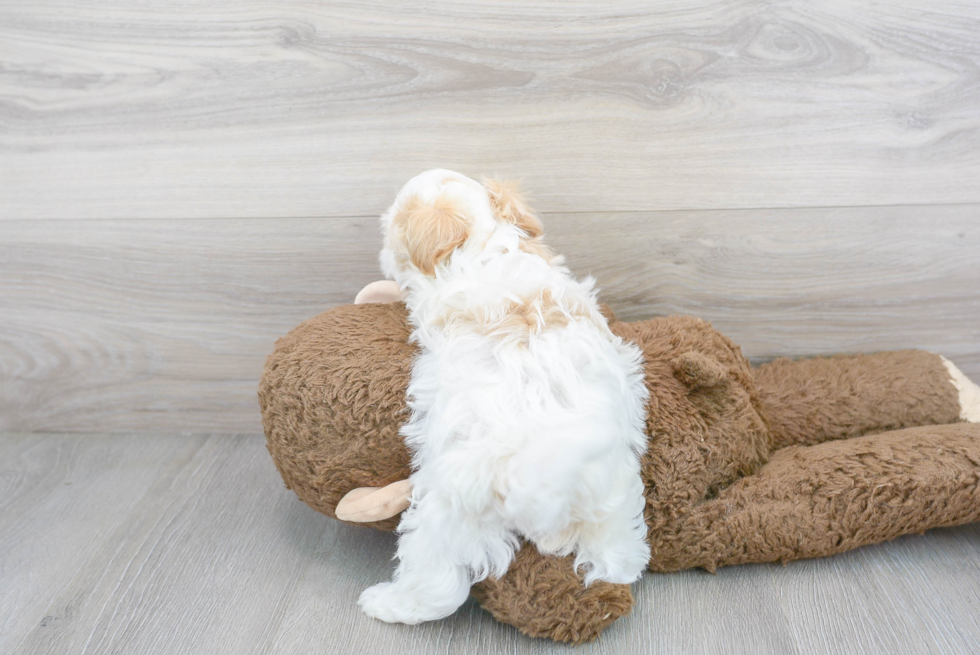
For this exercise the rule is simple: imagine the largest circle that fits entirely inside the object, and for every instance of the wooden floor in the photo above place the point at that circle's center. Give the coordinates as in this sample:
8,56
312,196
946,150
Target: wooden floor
154,545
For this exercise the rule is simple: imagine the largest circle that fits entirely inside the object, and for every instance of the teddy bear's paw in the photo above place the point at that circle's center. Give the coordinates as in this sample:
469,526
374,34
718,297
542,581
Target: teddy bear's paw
395,602
969,393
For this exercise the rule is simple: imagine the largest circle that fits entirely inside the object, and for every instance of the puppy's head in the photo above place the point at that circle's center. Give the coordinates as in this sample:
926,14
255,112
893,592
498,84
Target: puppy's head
441,212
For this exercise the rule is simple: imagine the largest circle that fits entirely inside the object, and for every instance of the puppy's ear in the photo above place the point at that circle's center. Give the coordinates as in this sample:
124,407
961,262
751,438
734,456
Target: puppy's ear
431,230
509,207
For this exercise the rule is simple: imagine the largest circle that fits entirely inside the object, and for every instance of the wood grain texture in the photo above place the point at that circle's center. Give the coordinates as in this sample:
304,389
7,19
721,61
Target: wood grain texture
164,325
157,544
239,108
111,325
795,283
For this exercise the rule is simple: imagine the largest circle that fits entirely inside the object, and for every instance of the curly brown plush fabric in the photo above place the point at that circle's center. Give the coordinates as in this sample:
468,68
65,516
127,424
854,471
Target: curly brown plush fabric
333,397
815,400
544,597
792,459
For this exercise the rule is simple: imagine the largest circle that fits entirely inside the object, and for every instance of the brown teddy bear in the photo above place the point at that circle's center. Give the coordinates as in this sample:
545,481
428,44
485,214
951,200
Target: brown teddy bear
788,460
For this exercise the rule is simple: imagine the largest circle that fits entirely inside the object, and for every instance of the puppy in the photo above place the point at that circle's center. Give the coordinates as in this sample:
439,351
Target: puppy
527,413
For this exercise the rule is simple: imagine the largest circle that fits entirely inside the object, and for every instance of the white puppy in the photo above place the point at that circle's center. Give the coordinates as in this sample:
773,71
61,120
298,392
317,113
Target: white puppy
527,412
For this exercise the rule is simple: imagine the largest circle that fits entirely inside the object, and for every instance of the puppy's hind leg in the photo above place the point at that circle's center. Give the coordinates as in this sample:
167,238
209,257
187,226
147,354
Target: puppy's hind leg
418,593
440,555
614,548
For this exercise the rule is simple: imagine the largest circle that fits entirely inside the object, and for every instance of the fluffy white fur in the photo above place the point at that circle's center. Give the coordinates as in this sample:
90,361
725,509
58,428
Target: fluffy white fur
531,432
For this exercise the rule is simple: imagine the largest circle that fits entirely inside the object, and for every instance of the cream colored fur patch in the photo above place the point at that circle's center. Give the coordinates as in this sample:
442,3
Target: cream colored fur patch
969,393
366,504
383,291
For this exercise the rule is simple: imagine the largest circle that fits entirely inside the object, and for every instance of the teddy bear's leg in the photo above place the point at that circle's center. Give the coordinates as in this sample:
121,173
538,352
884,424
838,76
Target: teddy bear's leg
809,401
811,501
613,546
543,596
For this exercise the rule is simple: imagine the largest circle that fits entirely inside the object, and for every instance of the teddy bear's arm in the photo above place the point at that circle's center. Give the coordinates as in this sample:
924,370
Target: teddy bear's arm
542,596
819,500
809,401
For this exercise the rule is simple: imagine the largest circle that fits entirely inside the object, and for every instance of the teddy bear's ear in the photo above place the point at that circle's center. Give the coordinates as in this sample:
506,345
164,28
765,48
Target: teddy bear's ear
369,504
382,291
697,371
510,207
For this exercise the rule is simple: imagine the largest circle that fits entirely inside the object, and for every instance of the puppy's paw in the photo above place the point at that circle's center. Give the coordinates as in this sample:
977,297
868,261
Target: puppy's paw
383,602
621,563
615,570
392,603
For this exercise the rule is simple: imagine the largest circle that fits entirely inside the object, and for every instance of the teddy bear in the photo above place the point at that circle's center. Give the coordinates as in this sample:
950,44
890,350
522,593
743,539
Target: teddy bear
786,460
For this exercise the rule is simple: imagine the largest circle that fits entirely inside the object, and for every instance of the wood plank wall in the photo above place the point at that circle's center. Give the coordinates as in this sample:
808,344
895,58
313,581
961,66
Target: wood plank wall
181,183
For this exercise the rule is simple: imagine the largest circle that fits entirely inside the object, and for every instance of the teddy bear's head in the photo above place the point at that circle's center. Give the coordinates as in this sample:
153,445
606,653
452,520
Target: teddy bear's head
356,359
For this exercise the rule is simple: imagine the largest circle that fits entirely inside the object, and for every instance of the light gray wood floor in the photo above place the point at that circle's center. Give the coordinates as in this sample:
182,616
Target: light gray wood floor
167,544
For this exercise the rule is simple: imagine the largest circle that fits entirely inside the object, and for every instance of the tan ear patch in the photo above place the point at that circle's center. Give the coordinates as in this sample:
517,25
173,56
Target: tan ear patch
510,207
430,231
